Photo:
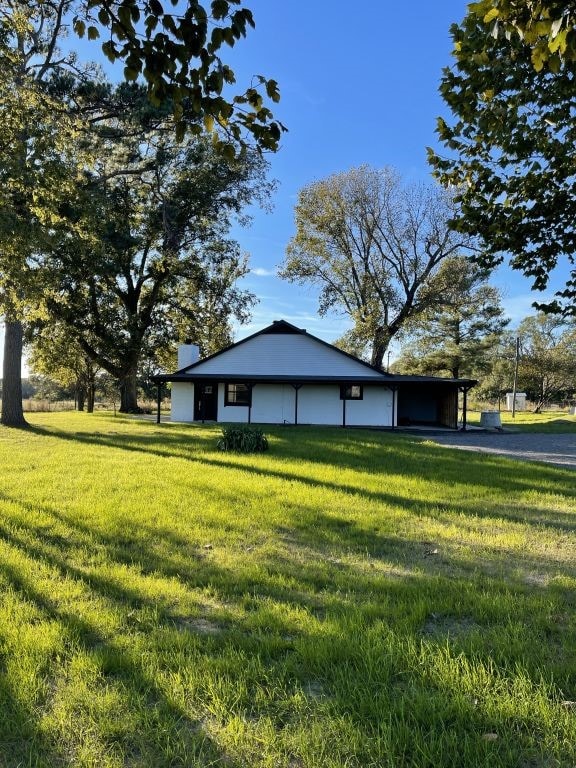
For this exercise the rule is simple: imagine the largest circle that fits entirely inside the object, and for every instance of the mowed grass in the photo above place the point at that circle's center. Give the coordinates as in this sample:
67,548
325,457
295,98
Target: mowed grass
526,421
351,598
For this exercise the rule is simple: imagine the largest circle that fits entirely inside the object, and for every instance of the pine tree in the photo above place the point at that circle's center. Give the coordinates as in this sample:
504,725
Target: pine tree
455,336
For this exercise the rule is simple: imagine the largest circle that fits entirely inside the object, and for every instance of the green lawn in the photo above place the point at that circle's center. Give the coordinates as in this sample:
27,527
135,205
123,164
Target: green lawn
526,421
351,598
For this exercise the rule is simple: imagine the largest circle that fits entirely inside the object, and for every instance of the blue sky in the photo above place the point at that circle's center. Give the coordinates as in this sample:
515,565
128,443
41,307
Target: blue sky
358,86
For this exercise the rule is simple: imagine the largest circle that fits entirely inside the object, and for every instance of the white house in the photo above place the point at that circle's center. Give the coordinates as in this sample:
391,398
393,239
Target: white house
284,375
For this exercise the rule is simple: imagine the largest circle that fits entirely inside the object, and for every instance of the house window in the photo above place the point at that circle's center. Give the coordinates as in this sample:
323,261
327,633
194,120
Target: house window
238,394
351,392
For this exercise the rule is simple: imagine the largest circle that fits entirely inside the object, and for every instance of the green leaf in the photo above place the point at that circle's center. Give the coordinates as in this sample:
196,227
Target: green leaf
558,43
93,33
130,74
103,17
492,14
156,7
79,27
109,50
538,56
220,9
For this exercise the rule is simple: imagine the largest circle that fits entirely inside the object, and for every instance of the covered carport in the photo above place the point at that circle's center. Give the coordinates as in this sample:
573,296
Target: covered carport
429,401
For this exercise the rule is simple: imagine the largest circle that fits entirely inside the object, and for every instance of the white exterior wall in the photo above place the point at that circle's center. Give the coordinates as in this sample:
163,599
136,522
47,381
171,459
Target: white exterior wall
322,405
273,403
284,355
520,401
375,410
235,413
182,401
319,404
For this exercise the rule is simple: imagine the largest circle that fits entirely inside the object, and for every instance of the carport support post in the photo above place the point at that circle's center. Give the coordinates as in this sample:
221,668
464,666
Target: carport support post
393,406
158,401
464,407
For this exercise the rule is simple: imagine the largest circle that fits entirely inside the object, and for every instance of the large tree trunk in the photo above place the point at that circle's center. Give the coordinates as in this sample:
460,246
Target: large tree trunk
12,413
80,397
90,398
129,394
379,347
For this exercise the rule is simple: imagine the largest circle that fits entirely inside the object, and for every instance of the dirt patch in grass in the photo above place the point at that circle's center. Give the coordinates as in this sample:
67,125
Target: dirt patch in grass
537,579
200,626
315,689
437,626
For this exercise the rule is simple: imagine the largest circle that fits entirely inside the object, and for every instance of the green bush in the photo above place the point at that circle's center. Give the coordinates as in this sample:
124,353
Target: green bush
243,438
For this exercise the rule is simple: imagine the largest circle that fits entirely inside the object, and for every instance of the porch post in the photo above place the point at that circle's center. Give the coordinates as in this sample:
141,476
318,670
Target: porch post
393,407
296,390
158,400
250,386
344,408
202,403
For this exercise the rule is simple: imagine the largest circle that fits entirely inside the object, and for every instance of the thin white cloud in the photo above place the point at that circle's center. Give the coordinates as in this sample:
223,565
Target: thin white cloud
520,306
261,272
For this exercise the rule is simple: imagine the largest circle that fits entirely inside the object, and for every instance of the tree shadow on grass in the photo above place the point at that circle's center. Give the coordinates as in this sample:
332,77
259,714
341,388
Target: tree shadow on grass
154,439
309,538
497,507
174,726
22,741
365,620
429,464
351,610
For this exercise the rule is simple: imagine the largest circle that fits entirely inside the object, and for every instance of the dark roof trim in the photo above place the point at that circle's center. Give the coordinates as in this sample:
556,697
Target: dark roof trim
392,380
274,378
402,378
280,327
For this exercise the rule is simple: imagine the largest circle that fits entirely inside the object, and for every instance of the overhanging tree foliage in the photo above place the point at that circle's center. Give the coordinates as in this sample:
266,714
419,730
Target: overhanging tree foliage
511,151
456,337
547,27
177,51
372,245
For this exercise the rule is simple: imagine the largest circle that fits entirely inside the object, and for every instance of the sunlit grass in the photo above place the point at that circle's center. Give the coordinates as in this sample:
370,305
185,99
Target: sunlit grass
526,421
351,598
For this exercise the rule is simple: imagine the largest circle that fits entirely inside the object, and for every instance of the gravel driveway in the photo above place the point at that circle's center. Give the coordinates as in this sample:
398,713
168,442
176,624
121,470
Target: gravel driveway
552,449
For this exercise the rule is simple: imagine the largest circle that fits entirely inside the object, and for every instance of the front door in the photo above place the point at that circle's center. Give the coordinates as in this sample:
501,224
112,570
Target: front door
206,401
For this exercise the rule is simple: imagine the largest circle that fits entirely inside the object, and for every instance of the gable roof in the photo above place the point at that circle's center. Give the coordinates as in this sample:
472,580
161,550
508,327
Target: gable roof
293,353
304,358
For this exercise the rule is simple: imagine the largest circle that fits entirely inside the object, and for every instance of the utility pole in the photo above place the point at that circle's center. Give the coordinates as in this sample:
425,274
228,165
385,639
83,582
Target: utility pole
515,385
